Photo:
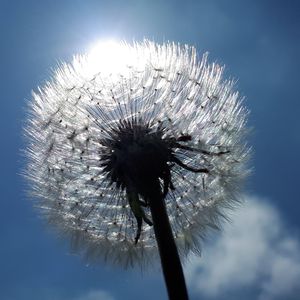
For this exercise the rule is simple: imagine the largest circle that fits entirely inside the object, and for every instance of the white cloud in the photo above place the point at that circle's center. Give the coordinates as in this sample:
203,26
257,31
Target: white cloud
96,295
255,250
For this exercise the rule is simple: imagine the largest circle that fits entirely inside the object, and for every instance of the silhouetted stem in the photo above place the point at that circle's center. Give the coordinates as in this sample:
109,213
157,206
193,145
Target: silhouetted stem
169,257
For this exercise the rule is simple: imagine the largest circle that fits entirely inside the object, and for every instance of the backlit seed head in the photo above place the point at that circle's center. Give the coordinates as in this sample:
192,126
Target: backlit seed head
104,127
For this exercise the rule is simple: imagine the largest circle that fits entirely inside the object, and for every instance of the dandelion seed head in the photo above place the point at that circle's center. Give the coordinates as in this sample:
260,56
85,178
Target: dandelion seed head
108,122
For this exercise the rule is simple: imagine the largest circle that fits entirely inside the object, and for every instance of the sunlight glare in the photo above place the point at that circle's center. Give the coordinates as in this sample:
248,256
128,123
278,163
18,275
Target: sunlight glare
110,57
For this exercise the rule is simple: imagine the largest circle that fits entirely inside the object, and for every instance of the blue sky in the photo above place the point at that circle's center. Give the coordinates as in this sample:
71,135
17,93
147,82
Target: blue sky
258,254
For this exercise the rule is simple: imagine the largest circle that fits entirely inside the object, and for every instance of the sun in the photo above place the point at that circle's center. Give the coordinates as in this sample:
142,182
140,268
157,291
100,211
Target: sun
110,57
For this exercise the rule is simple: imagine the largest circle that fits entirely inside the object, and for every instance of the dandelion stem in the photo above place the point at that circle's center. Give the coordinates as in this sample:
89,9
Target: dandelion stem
171,265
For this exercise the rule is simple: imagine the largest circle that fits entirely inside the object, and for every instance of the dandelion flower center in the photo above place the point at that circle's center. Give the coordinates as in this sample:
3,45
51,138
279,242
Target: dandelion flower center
136,155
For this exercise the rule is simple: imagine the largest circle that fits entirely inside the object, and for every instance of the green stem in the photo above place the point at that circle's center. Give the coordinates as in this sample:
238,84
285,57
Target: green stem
169,257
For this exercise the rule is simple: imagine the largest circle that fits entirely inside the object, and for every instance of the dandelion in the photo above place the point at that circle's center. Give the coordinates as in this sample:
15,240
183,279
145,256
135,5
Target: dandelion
131,144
